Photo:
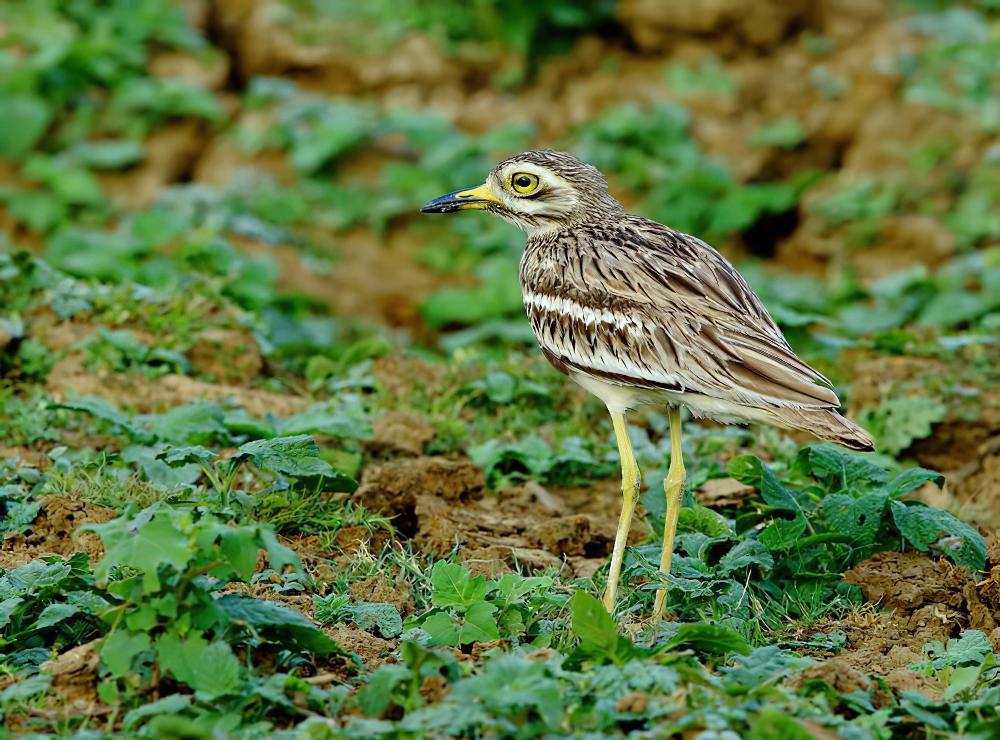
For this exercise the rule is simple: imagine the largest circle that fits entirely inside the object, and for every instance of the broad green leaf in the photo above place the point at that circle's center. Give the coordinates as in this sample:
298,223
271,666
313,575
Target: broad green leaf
897,422
195,454
708,638
743,555
191,424
858,518
210,669
328,419
970,648
101,409
840,468
278,622
750,470
702,519
240,546
782,534
145,542
172,704
25,119
911,479
441,628
7,608
297,456
383,617
377,695
512,586
596,629
924,526
279,556
119,650
53,614
479,624
453,586
771,724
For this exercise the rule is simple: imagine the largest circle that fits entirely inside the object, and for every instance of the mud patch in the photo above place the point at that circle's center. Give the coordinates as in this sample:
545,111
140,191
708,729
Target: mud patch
69,379
54,532
373,651
442,504
400,433
380,589
74,681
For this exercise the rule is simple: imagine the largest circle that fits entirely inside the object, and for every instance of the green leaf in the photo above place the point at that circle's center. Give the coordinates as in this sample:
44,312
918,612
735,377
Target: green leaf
479,624
7,608
279,623
512,586
330,420
782,534
441,628
745,554
25,120
173,704
191,424
597,630
714,639
53,614
149,540
195,454
210,669
297,456
699,518
858,518
240,546
377,695
839,467
923,527
897,422
383,617
771,724
108,155
971,647
279,556
454,587
750,470
910,480
119,650
101,409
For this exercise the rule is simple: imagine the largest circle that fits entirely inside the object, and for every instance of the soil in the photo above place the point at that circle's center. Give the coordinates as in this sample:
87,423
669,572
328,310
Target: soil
443,505
55,532
915,599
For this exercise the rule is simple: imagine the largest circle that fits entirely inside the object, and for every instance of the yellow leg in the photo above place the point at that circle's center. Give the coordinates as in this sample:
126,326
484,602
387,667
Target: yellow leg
673,488
630,491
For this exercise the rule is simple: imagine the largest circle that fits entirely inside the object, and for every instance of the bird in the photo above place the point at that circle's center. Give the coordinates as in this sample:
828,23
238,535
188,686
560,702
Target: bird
640,314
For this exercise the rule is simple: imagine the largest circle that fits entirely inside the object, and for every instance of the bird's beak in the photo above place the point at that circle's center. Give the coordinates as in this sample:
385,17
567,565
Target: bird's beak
461,200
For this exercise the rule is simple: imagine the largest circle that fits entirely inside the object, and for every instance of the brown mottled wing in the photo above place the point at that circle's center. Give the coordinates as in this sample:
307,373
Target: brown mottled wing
645,306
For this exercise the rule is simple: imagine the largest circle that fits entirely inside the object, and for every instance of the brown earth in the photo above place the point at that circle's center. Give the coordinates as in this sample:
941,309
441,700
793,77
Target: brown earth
923,599
442,504
55,532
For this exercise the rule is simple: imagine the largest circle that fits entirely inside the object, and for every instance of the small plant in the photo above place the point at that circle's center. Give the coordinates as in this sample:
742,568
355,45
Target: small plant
470,609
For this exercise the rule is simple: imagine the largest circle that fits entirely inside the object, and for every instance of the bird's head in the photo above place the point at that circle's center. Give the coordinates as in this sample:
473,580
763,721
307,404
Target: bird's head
538,191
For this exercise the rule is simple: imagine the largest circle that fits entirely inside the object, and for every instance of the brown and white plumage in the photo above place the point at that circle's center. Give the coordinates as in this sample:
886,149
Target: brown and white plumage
639,313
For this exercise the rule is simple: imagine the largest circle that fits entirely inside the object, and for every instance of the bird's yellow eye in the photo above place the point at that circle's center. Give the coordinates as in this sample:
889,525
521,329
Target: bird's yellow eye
524,182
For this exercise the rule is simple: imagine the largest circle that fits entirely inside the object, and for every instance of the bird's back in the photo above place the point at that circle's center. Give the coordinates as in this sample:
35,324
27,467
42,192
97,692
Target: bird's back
634,309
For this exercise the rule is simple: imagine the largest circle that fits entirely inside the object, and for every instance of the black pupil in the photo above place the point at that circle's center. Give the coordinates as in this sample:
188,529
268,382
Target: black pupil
523,181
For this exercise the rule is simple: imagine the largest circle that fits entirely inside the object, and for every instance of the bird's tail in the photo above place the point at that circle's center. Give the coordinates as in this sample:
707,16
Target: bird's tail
829,425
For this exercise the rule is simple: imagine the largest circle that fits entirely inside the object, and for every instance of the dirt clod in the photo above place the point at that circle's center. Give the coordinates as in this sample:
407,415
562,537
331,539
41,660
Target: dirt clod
398,432
54,532
908,580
